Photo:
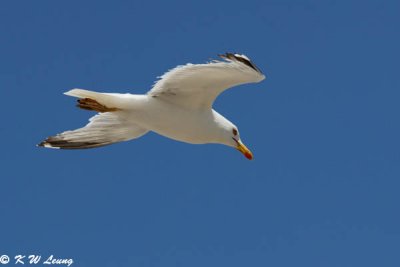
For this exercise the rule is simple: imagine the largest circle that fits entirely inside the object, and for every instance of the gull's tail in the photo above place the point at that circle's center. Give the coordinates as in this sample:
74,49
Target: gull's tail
112,125
101,102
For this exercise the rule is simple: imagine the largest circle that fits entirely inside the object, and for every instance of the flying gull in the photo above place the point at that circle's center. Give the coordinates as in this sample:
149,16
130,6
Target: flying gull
179,106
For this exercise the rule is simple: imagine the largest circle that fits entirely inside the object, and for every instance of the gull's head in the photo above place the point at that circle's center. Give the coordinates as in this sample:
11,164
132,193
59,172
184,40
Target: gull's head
231,137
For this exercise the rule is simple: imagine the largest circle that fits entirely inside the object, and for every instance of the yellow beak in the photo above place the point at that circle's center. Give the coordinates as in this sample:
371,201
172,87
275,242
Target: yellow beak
242,148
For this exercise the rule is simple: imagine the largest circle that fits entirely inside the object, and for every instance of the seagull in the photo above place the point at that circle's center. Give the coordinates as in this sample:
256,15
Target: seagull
179,106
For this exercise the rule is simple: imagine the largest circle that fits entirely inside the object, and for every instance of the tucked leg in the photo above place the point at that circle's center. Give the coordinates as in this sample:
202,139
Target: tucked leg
90,104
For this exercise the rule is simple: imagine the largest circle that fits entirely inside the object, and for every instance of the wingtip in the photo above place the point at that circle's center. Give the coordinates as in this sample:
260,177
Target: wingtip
227,55
41,144
224,56
46,145
240,58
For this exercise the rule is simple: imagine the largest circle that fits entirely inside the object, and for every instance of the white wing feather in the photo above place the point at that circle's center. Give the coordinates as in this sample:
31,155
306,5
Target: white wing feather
196,86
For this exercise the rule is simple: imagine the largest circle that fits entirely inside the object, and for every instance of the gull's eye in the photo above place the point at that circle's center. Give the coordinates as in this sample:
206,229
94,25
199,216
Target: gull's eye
234,131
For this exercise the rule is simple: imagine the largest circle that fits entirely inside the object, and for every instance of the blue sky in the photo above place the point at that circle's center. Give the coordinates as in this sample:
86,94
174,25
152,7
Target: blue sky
323,127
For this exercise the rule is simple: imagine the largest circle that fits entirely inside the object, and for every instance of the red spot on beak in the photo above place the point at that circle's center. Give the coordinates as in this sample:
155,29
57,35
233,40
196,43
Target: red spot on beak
248,155
245,151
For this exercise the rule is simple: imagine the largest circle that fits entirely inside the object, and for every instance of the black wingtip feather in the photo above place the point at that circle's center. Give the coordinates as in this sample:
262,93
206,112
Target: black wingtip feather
55,142
238,57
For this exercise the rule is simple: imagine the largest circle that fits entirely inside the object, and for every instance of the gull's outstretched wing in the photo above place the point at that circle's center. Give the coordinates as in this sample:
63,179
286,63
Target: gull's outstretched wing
103,129
196,86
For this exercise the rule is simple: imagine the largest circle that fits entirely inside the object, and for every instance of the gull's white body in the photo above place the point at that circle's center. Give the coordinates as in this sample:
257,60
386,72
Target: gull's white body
179,106
180,124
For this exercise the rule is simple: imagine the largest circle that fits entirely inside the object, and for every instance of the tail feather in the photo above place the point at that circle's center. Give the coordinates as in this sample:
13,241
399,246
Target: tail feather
107,100
82,93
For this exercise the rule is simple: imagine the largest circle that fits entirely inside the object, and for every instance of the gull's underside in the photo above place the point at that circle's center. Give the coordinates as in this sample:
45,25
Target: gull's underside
179,106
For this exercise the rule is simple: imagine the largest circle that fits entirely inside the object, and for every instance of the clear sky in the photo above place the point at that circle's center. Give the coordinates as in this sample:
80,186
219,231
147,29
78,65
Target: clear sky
323,127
